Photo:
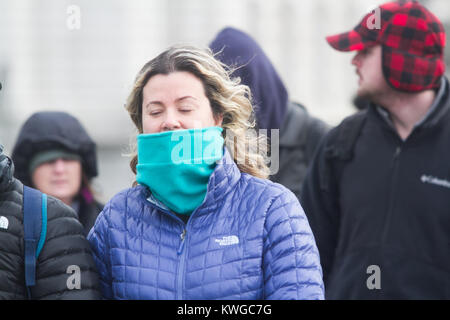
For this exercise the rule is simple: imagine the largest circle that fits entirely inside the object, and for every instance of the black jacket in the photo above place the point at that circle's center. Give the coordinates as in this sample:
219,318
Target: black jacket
300,136
65,245
386,207
87,214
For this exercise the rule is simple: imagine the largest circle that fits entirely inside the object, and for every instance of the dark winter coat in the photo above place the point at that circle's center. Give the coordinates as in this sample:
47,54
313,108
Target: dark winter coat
300,136
382,222
87,214
58,130
65,245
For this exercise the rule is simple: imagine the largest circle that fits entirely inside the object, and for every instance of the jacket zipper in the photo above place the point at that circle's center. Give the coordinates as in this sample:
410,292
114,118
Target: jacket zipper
180,252
390,209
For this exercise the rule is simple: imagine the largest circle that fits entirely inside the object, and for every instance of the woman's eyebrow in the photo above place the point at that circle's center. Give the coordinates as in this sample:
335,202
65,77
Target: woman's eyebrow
154,102
185,97
157,102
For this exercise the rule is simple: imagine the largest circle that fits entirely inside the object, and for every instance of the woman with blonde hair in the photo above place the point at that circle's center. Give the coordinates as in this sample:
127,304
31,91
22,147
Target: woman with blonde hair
202,221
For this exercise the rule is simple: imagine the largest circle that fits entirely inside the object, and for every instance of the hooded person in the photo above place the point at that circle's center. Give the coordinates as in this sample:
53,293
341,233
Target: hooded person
55,154
299,132
65,248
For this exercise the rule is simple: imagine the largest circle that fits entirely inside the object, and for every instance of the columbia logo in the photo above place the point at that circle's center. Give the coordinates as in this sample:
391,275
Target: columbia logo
3,223
435,181
227,241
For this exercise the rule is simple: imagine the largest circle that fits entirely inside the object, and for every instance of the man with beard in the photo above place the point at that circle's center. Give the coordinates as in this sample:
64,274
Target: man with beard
378,194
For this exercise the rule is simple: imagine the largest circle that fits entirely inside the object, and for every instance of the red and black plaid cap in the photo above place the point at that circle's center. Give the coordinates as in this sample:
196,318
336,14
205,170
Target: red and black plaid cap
412,40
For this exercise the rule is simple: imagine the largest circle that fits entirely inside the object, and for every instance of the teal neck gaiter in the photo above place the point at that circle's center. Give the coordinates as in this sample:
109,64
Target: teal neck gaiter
176,165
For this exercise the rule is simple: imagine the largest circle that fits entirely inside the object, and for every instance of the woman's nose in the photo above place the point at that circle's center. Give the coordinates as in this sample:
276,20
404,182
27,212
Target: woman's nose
171,122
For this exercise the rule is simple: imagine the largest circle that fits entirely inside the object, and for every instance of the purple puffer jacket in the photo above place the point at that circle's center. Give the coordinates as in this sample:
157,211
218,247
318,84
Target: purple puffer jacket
249,239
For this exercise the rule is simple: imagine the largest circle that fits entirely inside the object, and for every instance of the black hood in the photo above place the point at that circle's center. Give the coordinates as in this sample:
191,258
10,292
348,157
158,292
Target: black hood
52,130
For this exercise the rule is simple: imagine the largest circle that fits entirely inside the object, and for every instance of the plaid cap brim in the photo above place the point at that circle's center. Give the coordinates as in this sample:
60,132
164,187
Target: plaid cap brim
349,41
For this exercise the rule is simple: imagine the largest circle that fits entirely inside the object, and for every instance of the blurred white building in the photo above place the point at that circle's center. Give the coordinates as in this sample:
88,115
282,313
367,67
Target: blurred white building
51,60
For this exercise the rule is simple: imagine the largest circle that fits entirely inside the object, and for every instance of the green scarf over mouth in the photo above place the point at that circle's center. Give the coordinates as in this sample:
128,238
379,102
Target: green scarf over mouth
176,165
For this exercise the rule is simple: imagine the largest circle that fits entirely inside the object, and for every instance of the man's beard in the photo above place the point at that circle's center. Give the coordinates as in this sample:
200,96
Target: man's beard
372,96
360,103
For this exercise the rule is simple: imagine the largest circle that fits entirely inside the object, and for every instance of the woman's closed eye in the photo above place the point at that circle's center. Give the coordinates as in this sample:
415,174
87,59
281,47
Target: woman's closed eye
154,108
186,109
155,112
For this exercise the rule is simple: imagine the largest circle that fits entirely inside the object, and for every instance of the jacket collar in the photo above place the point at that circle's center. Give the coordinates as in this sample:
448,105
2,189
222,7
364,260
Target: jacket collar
438,109
222,180
441,106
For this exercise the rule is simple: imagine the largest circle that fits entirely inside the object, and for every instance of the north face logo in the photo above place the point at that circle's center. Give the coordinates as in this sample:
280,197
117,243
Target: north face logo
3,223
227,240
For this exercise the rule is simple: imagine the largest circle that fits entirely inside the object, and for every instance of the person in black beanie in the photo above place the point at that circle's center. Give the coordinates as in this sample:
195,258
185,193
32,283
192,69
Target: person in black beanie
55,154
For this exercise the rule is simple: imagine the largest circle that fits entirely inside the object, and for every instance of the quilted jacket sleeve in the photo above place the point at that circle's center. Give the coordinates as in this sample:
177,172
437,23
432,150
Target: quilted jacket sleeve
65,269
98,238
291,261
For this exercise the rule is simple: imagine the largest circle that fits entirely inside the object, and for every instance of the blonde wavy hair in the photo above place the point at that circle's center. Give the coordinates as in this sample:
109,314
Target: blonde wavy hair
228,99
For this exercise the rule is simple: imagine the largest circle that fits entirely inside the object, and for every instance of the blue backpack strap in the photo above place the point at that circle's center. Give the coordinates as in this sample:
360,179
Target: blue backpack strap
35,229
